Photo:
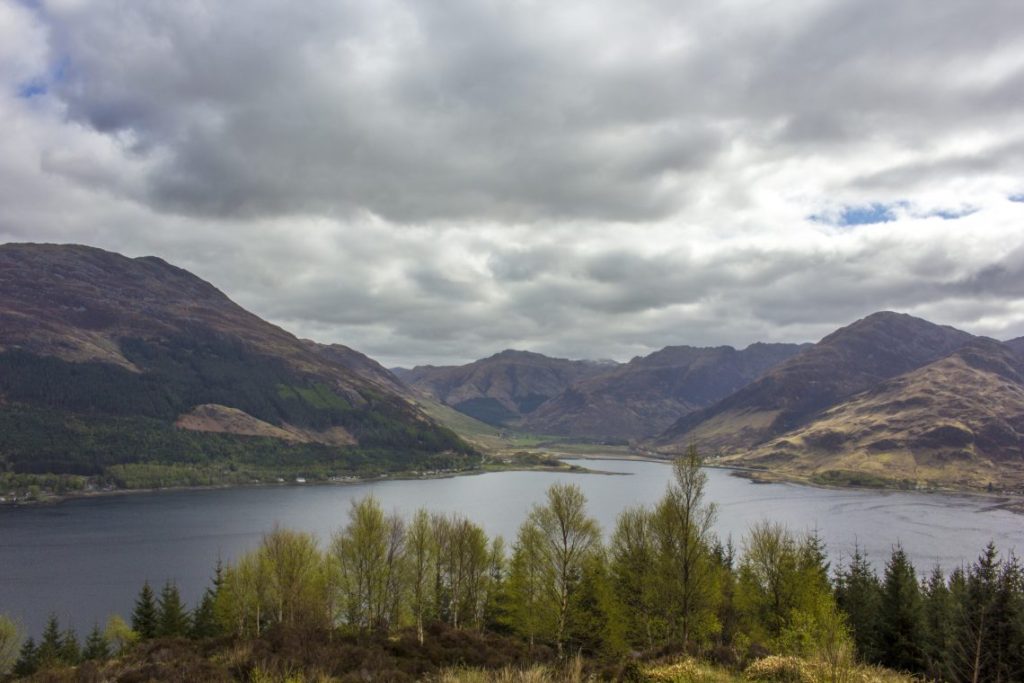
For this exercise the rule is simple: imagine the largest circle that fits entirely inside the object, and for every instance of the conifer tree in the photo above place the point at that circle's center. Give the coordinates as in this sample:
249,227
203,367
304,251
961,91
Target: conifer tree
28,659
49,647
859,594
938,616
205,622
70,652
144,617
900,624
96,646
172,617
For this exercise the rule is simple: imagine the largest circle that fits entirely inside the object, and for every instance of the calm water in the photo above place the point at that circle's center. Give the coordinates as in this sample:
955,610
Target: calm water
86,559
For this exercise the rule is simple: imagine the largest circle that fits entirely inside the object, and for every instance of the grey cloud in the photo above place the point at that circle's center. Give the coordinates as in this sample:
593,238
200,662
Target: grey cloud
434,181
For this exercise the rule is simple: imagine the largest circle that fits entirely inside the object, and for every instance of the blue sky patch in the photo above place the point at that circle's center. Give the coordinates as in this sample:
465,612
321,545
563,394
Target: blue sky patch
33,88
1017,198
863,214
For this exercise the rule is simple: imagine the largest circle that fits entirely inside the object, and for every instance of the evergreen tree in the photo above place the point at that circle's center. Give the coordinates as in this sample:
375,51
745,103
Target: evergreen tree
204,617
70,651
172,617
900,624
937,626
96,646
28,659
144,617
859,594
49,647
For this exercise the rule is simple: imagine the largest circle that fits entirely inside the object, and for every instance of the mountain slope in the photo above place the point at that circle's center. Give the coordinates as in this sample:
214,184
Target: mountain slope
101,356
646,395
958,421
848,361
502,388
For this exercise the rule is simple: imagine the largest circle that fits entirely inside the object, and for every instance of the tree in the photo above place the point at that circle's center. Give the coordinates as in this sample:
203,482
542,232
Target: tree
420,559
633,573
96,646
70,651
119,635
529,610
767,590
172,617
565,536
900,624
48,653
461,585
859,594
144,616
683,523
368,557
28,659
10,639
294,571
937,619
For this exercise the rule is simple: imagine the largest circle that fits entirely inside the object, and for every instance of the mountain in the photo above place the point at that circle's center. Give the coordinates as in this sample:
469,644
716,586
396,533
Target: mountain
502,388
958,421
647,394
108,361
1017,345
850,360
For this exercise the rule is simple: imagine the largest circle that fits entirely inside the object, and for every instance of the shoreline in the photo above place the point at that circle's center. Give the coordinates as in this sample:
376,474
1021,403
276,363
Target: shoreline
1000,501
56,499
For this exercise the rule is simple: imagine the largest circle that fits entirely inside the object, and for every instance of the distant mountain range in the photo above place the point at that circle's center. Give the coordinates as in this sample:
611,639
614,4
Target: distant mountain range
502,388
888,399
108,361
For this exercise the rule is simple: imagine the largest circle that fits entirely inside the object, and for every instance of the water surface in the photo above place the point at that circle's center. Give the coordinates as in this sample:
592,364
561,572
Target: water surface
85,559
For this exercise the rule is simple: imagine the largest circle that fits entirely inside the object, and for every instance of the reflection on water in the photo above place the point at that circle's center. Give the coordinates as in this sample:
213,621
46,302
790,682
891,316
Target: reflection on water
85,559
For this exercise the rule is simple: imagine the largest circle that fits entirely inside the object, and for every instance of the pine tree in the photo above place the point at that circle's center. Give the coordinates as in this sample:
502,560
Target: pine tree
144,617
900,623
172,617
96,646
859,594
204,623
49,647
70,652
937,622
28,659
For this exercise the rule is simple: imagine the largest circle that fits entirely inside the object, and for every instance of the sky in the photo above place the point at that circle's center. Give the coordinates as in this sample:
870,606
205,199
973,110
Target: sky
433,182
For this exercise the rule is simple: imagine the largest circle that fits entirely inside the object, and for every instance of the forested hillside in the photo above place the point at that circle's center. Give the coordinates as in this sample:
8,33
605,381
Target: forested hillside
105,363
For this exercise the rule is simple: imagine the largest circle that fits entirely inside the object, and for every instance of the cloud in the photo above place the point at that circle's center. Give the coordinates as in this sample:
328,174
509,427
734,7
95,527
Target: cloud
437,181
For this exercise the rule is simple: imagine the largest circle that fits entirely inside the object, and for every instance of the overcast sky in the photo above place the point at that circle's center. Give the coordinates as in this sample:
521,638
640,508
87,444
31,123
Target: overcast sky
434,181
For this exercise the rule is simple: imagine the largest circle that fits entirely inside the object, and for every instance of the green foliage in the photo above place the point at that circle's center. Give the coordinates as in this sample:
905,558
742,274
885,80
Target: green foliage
28,659
557,540
10,639
172,618
96,646
900,624
205,623
145,617
859,594
49,650
70,651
